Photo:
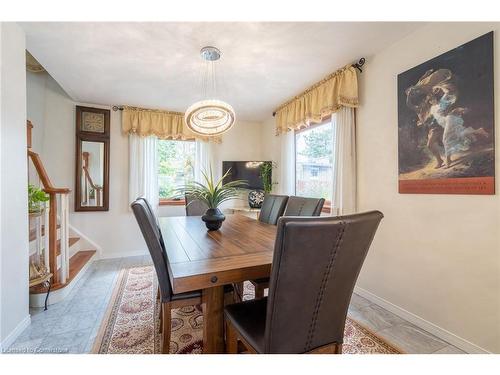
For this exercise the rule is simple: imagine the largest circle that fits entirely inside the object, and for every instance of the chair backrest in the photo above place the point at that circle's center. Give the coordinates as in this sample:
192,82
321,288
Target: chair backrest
300,206
272,208
153,217
315,266
195,207
152,235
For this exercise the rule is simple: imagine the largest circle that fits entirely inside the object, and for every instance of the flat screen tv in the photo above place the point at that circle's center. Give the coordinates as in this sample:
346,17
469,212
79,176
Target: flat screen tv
244,170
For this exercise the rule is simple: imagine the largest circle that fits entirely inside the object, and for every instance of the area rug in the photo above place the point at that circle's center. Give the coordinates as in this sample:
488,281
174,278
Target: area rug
131,323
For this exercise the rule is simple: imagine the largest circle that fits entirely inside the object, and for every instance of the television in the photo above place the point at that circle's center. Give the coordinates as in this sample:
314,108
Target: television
244,170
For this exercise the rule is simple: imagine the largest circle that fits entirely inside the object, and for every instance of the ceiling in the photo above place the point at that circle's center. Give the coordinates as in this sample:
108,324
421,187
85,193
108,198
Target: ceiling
157,65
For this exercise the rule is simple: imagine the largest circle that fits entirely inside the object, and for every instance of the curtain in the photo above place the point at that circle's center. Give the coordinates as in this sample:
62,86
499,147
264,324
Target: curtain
204,159
143,169
344,181
162,124
339,89
287,164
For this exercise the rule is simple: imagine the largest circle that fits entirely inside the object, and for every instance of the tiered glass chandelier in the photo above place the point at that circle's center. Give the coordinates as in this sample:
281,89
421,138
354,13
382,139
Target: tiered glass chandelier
210,117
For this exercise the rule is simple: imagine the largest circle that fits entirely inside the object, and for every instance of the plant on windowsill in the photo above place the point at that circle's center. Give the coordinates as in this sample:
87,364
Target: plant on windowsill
213,194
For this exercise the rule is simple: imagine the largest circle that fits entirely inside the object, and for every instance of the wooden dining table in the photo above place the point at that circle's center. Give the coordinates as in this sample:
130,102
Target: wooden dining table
204,260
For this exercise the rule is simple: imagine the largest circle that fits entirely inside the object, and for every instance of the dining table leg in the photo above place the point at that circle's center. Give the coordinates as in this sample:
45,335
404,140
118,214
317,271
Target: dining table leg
213,320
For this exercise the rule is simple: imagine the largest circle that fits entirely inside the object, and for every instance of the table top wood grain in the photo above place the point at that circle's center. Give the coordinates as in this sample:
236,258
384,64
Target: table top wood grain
197,259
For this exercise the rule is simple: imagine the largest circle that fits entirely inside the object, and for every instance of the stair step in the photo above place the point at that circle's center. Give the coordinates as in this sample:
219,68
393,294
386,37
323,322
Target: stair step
76,263
72,241
33,232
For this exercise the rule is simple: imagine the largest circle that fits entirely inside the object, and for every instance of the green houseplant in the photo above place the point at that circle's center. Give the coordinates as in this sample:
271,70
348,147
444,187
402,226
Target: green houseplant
213,194
36,198
266,176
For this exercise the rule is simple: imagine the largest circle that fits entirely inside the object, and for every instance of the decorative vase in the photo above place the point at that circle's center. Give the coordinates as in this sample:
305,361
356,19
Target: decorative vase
213,218
256,198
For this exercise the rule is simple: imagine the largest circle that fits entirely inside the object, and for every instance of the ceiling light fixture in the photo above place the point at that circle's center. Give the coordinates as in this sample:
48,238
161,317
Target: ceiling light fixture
210,117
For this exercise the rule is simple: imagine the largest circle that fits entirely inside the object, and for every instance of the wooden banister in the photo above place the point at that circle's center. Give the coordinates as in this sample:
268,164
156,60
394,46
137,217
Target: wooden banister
88,178
52,190
29,129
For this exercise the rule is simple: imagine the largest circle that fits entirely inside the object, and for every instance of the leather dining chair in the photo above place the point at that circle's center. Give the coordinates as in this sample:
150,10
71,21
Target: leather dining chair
272,208
169,300
296,206
195,207
301,206
316,263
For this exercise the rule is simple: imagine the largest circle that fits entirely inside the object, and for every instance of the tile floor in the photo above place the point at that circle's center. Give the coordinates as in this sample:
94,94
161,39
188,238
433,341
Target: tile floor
71,326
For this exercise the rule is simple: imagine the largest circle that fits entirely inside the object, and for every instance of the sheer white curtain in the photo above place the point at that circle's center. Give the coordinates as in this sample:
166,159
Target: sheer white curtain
344,180
287,163
204,159
143,169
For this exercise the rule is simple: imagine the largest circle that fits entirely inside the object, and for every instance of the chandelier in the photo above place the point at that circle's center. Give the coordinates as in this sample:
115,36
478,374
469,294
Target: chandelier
210,117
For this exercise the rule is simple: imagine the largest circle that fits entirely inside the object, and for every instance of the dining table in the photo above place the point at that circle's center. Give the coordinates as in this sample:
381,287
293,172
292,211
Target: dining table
198,259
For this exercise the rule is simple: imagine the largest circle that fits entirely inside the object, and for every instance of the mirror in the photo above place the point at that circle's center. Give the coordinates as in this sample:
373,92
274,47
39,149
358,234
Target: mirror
92,159
92,175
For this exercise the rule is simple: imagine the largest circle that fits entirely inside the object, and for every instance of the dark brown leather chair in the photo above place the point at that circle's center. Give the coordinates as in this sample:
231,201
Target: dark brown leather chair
296,206
316,263
195,207
300,206
152,235
272,208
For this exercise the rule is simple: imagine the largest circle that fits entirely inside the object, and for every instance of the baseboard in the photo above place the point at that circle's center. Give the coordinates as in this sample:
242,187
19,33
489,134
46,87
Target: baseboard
9,340
117,254
437,331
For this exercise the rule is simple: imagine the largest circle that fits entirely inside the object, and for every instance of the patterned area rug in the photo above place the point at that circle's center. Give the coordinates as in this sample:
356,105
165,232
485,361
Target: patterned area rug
131,323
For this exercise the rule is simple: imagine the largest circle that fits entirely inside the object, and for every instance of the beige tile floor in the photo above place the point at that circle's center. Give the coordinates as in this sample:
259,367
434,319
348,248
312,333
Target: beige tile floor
71,326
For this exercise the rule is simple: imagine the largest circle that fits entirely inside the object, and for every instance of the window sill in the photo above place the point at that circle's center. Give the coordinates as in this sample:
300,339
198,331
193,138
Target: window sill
172,202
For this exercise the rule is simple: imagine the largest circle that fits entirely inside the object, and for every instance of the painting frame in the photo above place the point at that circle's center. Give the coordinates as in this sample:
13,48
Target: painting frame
446,122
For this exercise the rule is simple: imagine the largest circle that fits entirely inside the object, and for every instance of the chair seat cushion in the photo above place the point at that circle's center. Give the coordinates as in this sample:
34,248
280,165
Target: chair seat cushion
197,293
186,295
249,319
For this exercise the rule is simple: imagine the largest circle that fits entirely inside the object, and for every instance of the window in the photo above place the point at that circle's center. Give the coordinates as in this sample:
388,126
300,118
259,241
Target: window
314,154
175,168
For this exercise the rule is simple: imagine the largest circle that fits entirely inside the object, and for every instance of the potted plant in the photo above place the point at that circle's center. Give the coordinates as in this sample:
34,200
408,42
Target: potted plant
266,176
213,194
256,197
36,198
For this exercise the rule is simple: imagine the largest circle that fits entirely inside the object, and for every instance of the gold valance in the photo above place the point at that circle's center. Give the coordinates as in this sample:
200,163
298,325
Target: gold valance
319,101
163,124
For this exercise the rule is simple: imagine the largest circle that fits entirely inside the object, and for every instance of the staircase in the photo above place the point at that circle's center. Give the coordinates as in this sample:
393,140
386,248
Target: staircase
67,254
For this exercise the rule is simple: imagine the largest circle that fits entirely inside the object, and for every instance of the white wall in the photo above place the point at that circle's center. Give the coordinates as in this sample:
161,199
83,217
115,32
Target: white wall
271,150
14,313
115,231
436,256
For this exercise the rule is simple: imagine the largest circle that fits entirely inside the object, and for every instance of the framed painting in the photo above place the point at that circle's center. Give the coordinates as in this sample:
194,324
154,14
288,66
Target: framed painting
446,140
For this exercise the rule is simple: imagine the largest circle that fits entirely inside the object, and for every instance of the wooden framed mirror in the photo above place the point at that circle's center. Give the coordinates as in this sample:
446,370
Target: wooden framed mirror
92,159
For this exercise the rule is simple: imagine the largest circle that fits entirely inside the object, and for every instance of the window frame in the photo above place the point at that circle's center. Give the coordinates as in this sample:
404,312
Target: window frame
327,206
172,201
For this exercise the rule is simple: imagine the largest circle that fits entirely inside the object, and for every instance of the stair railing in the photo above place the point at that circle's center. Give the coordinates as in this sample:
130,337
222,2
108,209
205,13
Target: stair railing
88,180
63,195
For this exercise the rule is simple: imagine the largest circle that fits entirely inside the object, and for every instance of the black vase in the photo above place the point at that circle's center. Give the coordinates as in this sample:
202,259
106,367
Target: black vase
213,218
256,198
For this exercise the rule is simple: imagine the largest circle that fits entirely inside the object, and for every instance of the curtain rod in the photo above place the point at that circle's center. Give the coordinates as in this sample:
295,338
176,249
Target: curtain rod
357,65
